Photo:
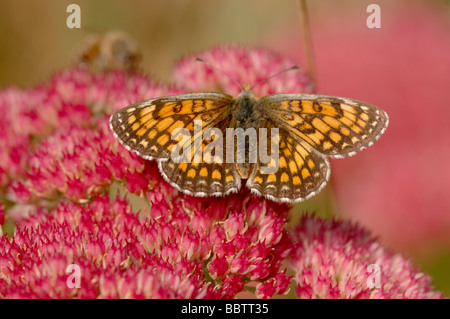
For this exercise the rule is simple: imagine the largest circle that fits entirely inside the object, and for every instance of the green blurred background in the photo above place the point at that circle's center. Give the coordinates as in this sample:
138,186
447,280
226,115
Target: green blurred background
35,42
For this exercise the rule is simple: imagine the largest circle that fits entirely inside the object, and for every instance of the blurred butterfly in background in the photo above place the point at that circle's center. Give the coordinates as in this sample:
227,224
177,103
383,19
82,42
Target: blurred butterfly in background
311,128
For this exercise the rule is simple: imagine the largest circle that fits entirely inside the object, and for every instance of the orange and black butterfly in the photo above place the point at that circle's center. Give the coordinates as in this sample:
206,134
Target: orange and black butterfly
310,128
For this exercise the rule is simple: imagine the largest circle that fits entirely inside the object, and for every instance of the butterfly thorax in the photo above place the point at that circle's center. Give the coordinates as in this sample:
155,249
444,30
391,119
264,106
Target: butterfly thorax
244,112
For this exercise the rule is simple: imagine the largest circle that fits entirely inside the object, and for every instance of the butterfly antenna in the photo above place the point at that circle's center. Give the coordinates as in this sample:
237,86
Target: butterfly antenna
219,70
295,67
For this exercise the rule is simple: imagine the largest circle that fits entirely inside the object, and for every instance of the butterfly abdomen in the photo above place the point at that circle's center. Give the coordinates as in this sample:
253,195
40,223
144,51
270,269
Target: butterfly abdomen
245,119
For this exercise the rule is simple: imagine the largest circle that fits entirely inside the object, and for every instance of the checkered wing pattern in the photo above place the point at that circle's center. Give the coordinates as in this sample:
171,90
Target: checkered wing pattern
311,128
302,172
154,130
333,126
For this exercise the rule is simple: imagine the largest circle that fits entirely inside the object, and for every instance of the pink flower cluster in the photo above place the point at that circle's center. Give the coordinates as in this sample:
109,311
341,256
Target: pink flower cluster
106,241
335,259
60,172
254,65
71,100
161,253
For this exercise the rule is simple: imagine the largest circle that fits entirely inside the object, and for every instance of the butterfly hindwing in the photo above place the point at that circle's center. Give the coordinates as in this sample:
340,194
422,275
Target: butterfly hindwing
301,172
203,171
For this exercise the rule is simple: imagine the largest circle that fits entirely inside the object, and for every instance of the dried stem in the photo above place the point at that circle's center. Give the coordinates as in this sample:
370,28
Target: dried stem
306,38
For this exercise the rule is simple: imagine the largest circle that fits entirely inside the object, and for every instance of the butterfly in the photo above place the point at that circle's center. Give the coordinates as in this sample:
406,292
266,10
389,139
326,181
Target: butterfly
309,130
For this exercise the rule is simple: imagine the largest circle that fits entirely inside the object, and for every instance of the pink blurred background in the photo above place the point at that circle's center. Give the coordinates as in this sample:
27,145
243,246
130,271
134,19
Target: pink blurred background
400,187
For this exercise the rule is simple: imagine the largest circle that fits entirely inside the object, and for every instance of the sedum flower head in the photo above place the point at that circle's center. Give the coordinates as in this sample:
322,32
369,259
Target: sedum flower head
104,241
246,66
336,259
121,254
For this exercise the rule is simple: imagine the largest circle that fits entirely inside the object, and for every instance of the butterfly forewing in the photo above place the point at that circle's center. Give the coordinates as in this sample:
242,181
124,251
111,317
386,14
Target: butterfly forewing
333,126
147,127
